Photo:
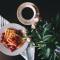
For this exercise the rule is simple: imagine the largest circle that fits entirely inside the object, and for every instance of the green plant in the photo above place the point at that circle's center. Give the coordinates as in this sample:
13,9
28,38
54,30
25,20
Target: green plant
46,37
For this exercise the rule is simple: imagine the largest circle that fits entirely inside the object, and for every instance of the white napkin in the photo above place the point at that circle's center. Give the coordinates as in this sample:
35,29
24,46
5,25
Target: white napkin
29,53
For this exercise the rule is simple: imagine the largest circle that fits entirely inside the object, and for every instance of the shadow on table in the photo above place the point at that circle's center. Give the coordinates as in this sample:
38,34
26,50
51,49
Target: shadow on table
5,57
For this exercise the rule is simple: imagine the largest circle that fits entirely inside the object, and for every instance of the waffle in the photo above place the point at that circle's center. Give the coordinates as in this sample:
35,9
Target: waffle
12,39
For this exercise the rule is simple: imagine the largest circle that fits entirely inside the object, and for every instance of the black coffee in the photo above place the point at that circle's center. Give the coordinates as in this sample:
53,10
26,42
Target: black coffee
27,13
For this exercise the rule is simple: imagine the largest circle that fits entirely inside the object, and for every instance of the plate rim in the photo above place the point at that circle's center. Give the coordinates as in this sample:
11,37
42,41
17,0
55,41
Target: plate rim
18,50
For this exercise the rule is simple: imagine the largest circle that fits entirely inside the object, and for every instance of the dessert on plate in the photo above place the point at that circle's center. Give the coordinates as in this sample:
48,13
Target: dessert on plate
13,38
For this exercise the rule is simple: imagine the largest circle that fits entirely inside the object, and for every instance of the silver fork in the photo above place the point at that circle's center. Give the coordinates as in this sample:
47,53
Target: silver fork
3,21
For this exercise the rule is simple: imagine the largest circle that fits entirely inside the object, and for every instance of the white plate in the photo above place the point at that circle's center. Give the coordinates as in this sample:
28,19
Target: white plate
18,51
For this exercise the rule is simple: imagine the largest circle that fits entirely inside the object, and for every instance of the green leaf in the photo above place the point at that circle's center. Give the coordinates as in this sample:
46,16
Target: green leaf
46,29
47,37
47,52
54,56
37,33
